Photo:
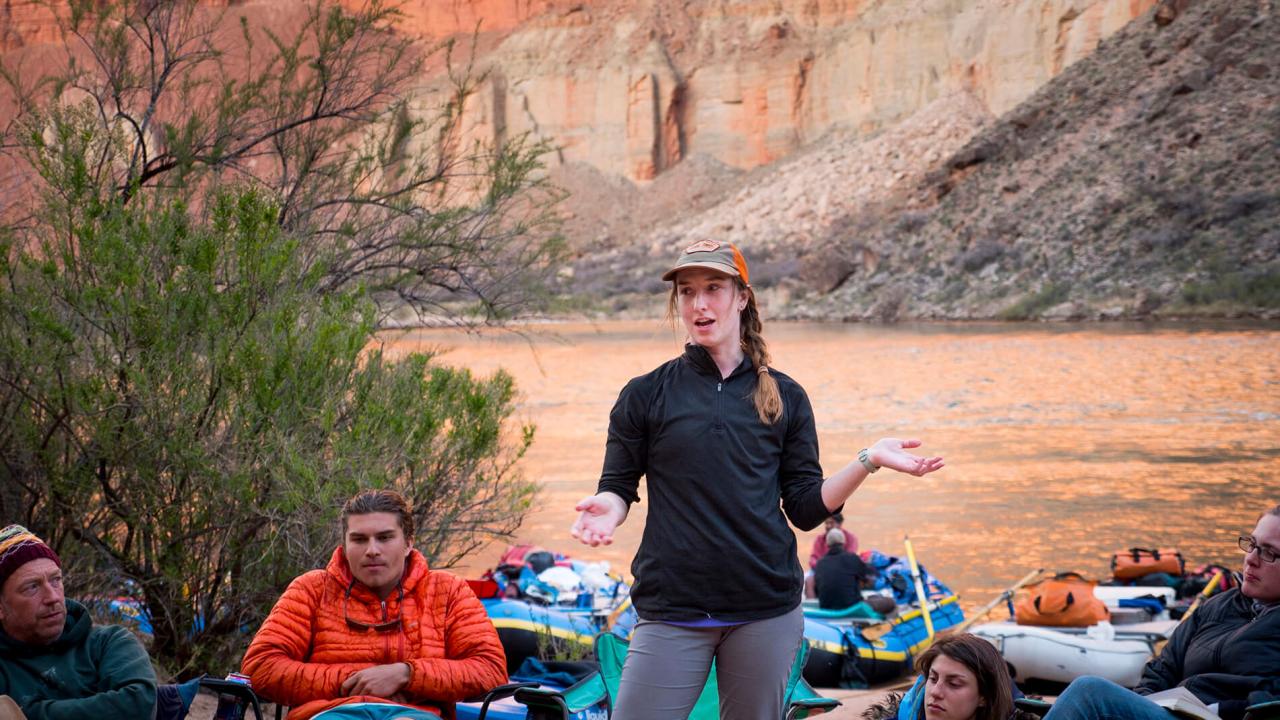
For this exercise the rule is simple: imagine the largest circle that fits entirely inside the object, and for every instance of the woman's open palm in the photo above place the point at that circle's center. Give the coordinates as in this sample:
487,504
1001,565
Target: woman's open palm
597,519
892,453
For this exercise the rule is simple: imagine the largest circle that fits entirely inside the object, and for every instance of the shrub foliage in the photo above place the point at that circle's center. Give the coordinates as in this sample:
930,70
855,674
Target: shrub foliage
212,221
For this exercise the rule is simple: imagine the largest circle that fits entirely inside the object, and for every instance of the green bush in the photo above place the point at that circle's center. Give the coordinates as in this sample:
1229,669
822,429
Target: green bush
1252,289
1031,305
184,412
190,380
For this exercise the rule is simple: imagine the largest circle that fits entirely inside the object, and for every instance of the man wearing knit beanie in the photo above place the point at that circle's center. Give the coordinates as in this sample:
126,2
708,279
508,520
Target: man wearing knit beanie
54,662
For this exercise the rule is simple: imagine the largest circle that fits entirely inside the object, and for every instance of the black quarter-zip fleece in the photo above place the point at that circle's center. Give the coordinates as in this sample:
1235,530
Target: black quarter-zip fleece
716,542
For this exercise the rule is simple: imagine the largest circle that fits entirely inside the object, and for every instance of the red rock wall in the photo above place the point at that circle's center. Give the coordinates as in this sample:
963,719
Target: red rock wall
633,86
26,22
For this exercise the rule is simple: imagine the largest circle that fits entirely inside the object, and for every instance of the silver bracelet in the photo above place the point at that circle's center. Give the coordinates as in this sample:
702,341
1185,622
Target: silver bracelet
865,458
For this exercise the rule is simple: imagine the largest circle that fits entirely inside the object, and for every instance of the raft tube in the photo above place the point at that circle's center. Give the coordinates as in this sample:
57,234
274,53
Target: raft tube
879,659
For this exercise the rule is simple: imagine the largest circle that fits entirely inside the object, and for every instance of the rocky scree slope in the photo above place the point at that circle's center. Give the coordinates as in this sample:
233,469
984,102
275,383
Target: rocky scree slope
782,214
1144,181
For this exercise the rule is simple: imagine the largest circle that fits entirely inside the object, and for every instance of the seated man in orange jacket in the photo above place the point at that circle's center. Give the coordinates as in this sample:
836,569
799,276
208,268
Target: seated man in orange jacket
376,631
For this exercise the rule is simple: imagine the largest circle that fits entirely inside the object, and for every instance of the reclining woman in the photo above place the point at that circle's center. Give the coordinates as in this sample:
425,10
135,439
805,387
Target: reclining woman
962,677
1227,654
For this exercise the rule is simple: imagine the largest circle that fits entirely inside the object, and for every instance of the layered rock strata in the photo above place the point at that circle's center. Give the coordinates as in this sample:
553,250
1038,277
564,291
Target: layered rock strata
632,88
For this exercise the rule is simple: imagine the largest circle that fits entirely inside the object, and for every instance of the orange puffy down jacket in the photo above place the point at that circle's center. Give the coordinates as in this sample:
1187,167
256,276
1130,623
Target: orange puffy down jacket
305,648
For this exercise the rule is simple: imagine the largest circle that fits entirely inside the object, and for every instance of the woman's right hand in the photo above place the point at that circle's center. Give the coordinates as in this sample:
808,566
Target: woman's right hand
598,517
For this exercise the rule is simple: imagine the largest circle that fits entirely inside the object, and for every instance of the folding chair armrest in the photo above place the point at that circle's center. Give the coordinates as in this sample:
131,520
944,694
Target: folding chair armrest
501,691
498,693
239,690
1033,706
810,707
543,703
1263,711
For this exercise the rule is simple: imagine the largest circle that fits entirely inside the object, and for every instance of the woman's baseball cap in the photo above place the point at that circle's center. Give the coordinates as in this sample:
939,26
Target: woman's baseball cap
713,255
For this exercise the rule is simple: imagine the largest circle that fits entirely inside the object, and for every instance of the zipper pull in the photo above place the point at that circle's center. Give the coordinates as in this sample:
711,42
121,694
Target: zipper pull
719,385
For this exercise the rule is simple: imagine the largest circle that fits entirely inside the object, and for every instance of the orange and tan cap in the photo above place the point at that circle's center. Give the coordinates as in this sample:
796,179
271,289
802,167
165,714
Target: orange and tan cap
713,255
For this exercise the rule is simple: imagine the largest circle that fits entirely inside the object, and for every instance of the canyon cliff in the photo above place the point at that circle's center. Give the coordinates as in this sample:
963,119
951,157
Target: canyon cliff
632,88
1142,182
880,160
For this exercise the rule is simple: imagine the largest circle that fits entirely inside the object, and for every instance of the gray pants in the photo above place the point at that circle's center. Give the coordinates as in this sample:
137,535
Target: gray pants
667,667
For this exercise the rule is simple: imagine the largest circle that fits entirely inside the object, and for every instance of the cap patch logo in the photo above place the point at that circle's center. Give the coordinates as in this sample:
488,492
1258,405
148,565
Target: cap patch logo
702,246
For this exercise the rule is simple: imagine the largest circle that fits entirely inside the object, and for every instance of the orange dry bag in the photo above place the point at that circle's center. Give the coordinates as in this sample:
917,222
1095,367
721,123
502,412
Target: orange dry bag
1137,562
1064,600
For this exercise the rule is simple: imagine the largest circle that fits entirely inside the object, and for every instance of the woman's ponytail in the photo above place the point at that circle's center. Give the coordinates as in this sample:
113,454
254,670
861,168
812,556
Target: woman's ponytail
767,398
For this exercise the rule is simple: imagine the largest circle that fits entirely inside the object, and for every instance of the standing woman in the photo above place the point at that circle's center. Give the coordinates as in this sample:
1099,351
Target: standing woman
723,440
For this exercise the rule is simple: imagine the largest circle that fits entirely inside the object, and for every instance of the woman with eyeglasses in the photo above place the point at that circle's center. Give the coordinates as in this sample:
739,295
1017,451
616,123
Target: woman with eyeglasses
1227,653
727,446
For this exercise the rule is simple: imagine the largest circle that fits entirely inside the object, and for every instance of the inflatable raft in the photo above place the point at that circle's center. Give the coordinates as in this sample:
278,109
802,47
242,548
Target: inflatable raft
527,630
879,652
1115,652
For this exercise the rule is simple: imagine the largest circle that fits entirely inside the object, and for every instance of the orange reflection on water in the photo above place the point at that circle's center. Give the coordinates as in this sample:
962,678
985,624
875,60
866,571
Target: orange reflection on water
1063,443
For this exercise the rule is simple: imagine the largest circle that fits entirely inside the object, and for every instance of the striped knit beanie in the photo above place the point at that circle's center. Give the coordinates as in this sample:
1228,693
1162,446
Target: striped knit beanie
19,546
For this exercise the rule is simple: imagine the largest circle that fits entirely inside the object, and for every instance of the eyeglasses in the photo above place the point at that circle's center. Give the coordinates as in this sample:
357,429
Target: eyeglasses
392,624
1248,545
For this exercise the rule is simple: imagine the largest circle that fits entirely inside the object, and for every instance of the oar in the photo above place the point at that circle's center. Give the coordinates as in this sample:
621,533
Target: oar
915,576
1206,592
617,612
1003,597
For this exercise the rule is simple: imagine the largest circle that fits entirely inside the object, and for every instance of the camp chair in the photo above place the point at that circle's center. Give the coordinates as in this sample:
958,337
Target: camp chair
577,700
800,700
583,694
173,702
857,614
485,700
1263,711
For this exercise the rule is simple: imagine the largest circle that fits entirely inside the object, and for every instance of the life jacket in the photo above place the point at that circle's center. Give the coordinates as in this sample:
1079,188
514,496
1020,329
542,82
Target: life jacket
1136,562
1195,581
1064,600
485,587
516,554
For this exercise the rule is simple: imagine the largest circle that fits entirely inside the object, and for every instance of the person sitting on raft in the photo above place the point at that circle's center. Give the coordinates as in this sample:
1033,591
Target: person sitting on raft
1227,653
962,677
821,545
838,577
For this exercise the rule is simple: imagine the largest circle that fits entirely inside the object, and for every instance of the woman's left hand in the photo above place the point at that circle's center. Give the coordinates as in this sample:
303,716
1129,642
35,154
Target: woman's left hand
892,453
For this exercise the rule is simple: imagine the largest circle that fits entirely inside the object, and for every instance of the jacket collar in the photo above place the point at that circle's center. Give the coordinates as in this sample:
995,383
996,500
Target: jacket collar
701,361
1260,608
415,571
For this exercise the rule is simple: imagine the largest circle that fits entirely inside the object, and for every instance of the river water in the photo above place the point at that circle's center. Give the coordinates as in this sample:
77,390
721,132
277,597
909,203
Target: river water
1063,443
